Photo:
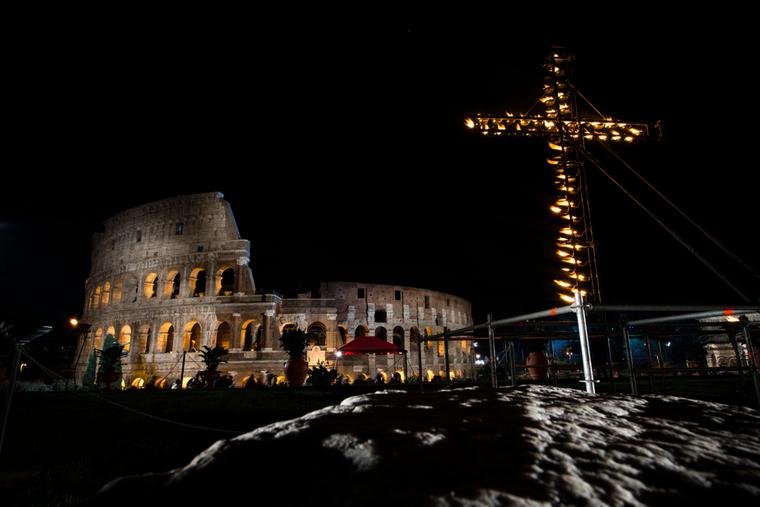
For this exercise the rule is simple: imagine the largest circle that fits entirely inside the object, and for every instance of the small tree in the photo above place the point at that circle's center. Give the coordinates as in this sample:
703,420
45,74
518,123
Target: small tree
109,362
293,341
212,358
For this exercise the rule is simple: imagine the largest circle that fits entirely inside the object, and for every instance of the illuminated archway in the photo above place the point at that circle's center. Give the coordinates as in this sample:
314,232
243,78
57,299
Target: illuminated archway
225,281
138,383
149,287
191,338
171,287
224,335
125,336
106,297
198,282
96,297
250,335
165,341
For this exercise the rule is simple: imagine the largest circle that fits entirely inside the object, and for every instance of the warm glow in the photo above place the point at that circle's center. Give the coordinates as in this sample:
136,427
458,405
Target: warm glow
562,253
469,123
566,298
73,322
555,147
562,283
732,318
555,209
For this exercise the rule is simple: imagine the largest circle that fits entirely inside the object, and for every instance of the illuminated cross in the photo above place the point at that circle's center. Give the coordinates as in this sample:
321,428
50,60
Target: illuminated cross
566,134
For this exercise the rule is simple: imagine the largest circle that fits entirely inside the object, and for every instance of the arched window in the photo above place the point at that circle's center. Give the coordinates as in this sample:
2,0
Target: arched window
361,330
96,300
125,336
398,337
198,282
316,334
249,334
118,285
191,340
106,293
225,281
381,333
171,287
149,288
224,335
343,335
165,342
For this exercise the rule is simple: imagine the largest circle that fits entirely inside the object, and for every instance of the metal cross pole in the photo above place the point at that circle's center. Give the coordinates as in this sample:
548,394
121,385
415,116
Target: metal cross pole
419,356
446,354
629,357
588,371
512,371
755,364
182,371
612,367
492,349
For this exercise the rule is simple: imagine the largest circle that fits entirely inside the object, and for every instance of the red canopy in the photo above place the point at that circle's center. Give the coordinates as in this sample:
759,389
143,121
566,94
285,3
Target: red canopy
368,345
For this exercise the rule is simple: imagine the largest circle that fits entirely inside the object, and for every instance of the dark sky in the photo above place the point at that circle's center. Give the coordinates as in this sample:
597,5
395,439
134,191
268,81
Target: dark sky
341,147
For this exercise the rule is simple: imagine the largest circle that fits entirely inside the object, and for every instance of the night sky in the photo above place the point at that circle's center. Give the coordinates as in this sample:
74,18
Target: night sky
341,147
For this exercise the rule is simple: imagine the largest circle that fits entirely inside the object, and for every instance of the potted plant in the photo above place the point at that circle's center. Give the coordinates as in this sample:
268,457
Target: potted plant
293,341
109,363
212,358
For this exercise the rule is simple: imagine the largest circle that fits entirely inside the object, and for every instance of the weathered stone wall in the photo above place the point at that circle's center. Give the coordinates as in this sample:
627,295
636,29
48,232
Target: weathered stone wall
146,287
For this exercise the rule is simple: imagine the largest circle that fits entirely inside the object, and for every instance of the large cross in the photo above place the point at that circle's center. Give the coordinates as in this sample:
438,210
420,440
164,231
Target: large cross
566,134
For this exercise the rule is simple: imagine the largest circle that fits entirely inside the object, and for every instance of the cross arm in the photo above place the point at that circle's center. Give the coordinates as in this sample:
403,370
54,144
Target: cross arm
539,126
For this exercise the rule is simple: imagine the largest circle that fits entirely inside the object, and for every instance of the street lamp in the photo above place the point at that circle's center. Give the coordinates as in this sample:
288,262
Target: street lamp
18,349
85,328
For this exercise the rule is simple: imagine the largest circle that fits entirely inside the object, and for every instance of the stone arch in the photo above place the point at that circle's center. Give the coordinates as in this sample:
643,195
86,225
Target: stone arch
398,337
96,297
361,330
97,341
225,281
111,330
125,336
316,334
250,335
106,297
118,286
192,337
342,335
138,383
143,339
287,325
381,333
223,335
165,341
172,284
441,348
150,286
198,282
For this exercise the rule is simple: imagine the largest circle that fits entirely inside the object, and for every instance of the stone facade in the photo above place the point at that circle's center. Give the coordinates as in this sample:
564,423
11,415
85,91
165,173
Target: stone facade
174,275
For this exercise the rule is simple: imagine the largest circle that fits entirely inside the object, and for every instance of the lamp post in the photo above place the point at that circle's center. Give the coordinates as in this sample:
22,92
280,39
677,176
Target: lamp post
85,327
18,347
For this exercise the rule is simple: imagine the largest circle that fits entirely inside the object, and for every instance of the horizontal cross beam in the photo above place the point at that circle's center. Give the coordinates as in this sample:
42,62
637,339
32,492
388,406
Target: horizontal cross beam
538,126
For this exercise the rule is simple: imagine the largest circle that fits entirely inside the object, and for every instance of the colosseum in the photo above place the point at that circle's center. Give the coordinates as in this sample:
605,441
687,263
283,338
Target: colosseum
174,275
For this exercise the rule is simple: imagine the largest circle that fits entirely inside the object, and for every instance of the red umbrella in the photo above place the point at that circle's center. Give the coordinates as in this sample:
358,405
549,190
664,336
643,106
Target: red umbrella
369,345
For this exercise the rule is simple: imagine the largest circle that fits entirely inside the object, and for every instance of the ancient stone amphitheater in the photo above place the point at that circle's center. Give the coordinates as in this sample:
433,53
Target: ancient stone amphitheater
171,276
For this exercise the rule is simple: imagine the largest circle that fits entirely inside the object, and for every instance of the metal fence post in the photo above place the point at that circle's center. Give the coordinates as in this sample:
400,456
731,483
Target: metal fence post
588,371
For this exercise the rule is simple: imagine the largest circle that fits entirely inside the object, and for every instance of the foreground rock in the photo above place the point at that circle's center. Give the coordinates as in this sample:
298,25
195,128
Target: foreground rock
531,445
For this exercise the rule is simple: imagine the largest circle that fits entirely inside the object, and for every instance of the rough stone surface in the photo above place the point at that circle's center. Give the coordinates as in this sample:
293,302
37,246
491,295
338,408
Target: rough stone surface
530,445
